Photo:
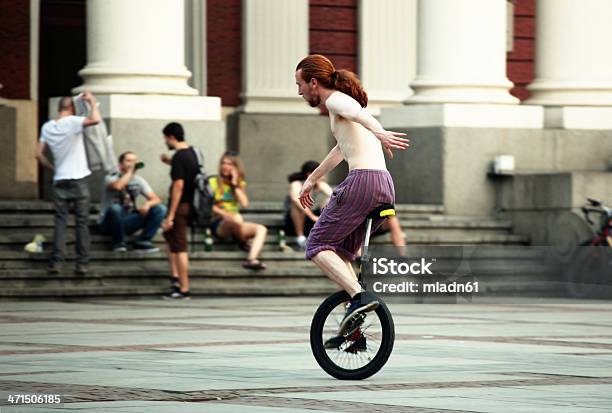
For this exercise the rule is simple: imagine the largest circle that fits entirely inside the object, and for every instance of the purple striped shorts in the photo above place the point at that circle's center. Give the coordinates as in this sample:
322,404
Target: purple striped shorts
341,227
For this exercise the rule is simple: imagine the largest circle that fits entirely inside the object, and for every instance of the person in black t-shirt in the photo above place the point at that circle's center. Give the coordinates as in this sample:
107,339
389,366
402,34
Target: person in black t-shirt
184,168
184,165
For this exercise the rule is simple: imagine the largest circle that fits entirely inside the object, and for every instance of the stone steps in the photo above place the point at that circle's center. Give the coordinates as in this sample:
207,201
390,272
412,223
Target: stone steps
25,207
214,272
15,239
295,277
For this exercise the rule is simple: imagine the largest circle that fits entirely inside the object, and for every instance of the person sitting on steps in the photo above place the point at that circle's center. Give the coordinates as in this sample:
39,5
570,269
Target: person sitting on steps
299,221
120,215
230,196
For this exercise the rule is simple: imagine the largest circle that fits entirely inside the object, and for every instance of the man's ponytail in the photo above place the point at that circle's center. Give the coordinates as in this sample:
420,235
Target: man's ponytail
321,68
347,82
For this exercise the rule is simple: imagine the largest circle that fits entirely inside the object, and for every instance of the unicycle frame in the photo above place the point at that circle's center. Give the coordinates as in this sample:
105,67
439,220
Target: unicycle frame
364,252
382,313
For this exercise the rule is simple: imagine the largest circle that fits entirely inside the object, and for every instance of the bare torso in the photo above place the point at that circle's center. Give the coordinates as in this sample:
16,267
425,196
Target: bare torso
359,146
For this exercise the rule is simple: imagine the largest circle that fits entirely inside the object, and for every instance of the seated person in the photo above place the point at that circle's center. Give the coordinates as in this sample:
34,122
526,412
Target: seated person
298,221
120,215
230,196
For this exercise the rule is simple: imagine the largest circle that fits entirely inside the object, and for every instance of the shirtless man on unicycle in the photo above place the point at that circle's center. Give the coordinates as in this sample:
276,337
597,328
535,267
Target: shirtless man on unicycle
339,232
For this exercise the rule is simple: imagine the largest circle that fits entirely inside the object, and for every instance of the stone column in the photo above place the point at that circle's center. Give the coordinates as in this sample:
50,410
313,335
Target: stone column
136,69
461,69
387,50
136,46
574,63
275,39
462,52
195,43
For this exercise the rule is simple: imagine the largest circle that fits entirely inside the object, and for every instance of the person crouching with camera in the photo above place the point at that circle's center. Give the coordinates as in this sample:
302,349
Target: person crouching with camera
120,214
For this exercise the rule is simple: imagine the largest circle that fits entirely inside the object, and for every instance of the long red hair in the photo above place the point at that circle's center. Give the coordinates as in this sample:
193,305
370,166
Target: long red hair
321,68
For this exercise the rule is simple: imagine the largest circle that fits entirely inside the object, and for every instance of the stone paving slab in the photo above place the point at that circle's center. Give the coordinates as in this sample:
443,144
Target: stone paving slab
252,354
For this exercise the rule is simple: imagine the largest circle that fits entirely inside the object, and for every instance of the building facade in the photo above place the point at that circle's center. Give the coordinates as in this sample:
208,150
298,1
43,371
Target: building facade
468,80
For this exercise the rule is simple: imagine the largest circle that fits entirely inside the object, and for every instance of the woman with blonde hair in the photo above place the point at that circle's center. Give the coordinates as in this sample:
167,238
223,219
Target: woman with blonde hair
230,196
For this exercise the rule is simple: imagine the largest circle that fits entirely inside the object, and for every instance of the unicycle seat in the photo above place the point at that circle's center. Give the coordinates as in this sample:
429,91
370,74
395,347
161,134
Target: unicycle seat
382,211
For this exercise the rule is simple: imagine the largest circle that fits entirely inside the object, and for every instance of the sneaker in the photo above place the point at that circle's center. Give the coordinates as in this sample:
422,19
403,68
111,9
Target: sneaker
360,344
355,313
334,342
81,269
301,242
177,295
119,248
146,247
54,267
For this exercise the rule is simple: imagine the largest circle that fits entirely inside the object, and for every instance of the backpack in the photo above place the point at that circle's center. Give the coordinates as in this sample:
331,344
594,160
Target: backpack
203,195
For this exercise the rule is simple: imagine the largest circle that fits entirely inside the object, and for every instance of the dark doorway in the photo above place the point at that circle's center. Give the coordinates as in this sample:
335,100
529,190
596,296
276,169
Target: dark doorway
62,53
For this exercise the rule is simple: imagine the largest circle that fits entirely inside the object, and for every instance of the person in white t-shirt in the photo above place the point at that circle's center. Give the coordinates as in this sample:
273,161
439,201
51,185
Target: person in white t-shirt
64,137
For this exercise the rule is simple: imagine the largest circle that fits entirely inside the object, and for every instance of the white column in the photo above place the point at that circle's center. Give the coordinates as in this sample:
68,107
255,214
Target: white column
136,69
34,47
461,70
195,43
136,46
462,52
574,62
387,50
275,39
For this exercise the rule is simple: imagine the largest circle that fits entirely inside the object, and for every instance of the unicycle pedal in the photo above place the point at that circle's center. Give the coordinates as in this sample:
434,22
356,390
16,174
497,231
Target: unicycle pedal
358,342
354,323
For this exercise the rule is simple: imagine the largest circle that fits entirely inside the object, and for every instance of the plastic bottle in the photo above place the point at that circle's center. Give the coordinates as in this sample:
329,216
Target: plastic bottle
208,241
282,240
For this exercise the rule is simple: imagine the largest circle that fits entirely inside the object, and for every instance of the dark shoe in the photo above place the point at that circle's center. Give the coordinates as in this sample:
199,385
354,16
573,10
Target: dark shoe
355,313
146,247
177,295
119,248
81,269
254,265
54,267
358,345
334,342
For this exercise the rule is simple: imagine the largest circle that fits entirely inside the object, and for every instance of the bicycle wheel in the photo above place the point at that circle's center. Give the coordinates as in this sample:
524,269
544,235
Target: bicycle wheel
365,350
586,275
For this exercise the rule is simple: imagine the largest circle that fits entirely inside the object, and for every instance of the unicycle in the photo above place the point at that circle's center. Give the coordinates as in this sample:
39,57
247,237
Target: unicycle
365,348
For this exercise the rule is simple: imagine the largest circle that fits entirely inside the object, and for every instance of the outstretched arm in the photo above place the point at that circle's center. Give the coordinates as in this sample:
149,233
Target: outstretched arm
333,158
347,107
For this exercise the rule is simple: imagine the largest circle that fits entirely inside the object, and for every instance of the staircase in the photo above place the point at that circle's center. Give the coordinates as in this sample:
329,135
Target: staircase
216,272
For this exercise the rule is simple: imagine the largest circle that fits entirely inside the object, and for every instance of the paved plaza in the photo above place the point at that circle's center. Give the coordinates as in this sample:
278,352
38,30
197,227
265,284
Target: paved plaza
252,354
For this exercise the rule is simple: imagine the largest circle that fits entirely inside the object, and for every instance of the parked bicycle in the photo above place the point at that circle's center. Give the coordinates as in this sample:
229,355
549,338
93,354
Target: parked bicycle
589,269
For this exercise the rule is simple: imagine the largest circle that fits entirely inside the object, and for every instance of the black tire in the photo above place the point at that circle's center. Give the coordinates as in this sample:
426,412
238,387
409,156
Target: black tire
567,231
320,354
587,274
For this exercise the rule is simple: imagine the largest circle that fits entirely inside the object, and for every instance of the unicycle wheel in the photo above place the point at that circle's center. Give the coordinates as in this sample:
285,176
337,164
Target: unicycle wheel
362,351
